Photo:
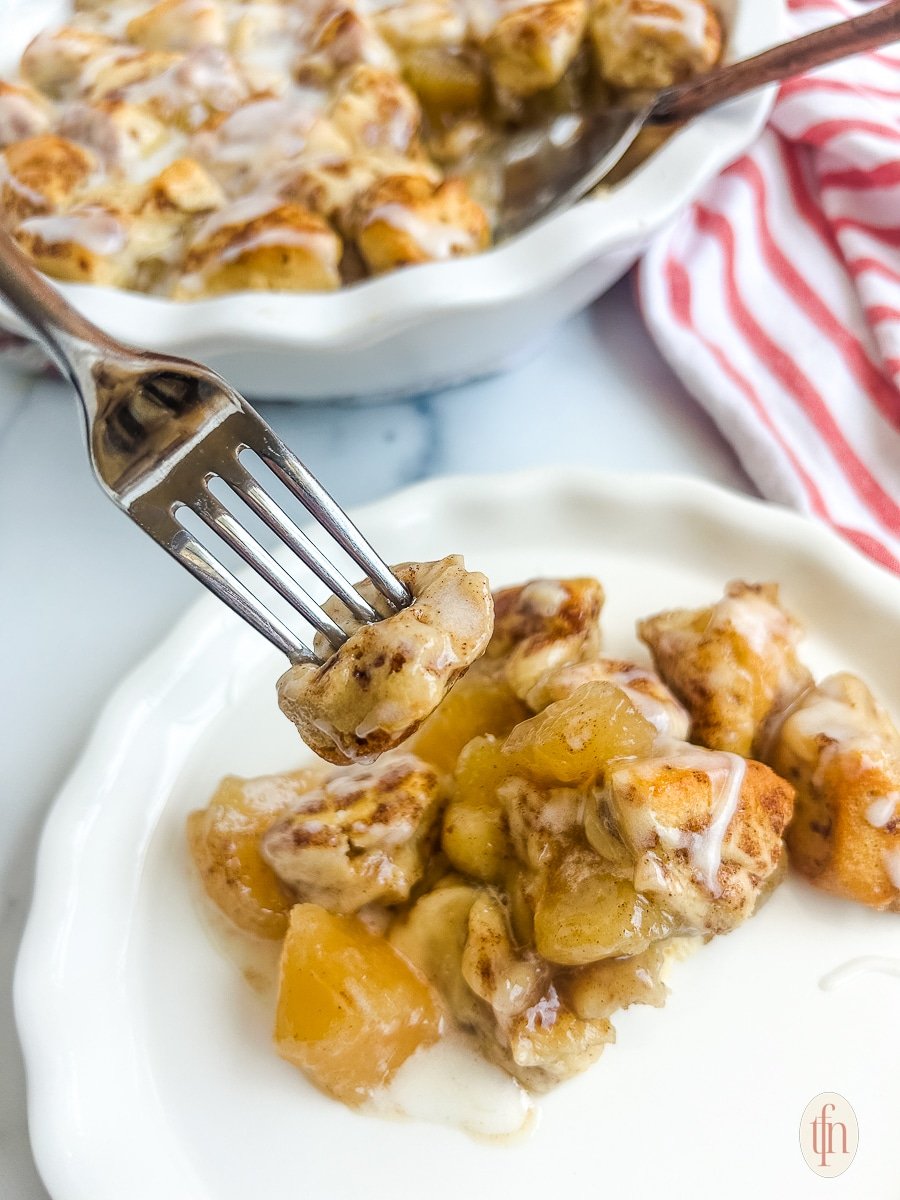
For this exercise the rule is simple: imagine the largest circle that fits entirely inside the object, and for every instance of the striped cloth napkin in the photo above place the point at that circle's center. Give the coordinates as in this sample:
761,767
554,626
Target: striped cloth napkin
776,296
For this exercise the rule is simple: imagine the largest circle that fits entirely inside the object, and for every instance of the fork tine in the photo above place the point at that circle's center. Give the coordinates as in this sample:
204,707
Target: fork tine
209,571
261,503
220,520
334,520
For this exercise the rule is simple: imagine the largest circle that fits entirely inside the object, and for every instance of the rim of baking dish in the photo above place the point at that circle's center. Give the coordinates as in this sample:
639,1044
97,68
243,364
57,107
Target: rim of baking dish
533,262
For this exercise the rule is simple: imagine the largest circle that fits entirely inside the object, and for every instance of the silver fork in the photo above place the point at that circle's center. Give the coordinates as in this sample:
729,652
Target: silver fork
160,430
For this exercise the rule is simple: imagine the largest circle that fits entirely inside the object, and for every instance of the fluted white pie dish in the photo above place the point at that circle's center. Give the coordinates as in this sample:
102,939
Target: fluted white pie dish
432,325
150,1067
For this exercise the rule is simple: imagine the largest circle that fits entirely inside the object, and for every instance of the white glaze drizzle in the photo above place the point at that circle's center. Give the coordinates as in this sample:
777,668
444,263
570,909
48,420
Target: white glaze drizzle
891,860
726,774
238,212
687,18
451,1083
883,809
20,118
435,238
546,597
8,179
869,964
96,230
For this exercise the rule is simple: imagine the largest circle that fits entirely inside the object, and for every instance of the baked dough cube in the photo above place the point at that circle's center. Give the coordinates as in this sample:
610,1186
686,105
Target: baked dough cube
733,665
380,685
264,140
41,174
362,837
545,624
413,24
56,62
261,36
119,133
531,1033
87,244
654,43
531,48
330,186
181,90
179,25
260,243
342,38
24,113
377,112
406,219
183,187
166,209
841,751
704,829
224,839
128,67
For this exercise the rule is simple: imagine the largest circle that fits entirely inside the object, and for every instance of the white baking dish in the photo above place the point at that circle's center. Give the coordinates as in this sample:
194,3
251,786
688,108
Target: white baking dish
433,325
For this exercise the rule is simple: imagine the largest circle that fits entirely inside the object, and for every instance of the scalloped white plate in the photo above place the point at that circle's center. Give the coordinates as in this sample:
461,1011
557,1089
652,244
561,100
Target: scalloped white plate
442,323
150,1071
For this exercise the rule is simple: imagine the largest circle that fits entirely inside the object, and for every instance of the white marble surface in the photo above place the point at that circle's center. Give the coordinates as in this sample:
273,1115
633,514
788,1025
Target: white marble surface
84,595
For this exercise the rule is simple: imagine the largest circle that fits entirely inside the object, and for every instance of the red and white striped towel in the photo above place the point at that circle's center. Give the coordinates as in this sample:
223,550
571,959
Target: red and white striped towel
776,296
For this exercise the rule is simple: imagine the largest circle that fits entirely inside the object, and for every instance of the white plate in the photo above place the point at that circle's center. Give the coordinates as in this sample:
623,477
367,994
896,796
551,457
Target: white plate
150,1070
442,323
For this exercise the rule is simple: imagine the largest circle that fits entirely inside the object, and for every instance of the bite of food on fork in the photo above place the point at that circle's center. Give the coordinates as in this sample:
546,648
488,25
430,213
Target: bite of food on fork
374,690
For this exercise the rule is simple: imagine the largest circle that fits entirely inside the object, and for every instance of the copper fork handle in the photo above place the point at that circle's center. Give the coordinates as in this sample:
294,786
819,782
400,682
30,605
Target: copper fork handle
876,28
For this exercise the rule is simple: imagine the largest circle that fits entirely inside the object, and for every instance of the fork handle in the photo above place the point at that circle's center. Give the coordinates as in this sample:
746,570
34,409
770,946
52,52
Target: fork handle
61,330
872,29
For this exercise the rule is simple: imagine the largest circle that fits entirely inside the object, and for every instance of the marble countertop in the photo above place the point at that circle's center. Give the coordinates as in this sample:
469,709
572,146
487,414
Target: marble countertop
84,595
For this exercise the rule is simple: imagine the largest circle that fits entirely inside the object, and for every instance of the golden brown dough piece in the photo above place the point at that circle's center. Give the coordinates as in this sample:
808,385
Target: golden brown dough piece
545,624
376,112
42,174
121,134
459,937
407,219
733,665
180,90
382,683
705,831
841,751
361,837
87,244
260,243
182,187
409,25
530,48
342,37
654,43
224,842
266,139
57,61
24,113
178,25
